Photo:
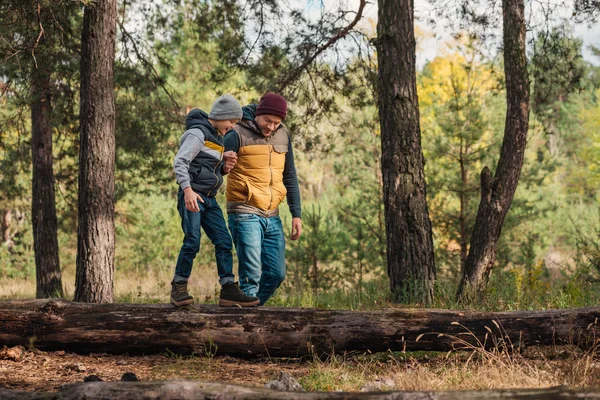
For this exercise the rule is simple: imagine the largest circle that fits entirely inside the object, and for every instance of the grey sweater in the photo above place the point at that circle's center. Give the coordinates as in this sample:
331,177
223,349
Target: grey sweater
198,162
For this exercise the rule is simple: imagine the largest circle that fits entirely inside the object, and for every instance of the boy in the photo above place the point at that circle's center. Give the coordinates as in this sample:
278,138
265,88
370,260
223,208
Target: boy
199,168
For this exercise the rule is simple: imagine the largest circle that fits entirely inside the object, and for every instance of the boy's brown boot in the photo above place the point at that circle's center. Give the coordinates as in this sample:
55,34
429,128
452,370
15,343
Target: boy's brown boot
231,295
179,294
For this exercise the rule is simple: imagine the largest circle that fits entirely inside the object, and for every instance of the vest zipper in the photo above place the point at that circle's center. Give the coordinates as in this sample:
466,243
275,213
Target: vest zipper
215,173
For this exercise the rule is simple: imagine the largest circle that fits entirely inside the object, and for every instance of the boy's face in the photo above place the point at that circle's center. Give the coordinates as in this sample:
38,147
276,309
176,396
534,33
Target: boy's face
268,123
224,126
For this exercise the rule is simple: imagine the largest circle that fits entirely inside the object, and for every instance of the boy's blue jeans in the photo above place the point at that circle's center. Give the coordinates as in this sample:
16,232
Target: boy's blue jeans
260,246
211,219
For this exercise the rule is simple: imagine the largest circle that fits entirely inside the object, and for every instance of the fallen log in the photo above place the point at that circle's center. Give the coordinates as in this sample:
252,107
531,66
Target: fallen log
184,390
280,332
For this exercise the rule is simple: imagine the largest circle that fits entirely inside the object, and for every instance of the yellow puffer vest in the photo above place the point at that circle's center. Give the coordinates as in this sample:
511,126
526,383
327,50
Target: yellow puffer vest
257,178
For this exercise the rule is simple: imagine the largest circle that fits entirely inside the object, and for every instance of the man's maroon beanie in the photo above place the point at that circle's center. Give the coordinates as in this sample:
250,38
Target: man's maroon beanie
273,104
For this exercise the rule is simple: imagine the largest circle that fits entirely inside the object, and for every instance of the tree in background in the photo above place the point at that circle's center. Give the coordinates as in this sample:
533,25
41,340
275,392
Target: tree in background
410,256
96,232
319,247
497,193
15,157
43,207
35,40
309,62
557,71
359,185
457,94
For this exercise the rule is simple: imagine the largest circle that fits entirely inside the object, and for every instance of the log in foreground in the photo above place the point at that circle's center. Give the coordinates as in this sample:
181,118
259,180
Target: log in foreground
183,390
279,332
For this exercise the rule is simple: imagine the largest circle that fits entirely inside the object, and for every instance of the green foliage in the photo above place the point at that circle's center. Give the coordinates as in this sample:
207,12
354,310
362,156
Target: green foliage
374,294
316,247
16,256
459,100
587,240
557,70
328,377
149,235
145,136
508,290
462,110
344,232
34,35
15,153
195,41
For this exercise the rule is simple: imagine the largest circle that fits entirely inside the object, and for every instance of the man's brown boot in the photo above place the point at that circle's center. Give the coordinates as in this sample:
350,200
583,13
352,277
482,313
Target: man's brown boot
231,295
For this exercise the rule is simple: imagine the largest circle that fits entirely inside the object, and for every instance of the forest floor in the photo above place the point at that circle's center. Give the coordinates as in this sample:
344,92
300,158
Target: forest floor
33,370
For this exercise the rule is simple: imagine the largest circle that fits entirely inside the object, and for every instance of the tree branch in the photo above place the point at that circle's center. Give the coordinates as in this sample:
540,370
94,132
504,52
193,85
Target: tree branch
295,73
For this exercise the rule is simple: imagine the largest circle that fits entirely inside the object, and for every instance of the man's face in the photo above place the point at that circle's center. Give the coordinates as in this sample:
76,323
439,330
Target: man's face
225,126
268,123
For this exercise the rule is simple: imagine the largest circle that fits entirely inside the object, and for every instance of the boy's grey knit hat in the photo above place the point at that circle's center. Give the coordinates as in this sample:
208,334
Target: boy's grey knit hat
224,108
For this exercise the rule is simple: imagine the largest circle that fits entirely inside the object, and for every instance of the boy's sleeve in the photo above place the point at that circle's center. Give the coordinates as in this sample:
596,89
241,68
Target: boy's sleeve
188,150
290,180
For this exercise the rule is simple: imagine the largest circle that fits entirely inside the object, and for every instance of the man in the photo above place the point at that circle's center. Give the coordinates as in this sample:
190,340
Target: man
264,174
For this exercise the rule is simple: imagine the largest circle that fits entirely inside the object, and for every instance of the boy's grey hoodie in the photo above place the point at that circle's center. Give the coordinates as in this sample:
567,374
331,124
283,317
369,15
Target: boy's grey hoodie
198,162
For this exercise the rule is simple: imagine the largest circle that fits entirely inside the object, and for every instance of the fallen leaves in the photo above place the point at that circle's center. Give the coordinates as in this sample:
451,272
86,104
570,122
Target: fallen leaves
12,354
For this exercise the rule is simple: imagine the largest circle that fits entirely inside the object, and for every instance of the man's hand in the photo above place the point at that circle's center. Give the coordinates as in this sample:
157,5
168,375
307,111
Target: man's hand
296,228
191,199
229,161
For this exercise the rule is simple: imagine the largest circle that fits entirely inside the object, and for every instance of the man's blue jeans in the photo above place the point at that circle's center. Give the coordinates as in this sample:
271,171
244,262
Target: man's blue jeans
260,246
211,219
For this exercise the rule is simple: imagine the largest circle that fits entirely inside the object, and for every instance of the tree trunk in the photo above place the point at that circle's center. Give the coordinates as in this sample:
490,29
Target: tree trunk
192,390
497,193
96,232
43,206
464,203
281,332
5,224
315,273
410,255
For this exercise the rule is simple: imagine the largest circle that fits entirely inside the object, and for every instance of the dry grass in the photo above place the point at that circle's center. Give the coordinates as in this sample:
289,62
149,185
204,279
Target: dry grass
470,367
131,287
489,373
154,286
17,289
464,371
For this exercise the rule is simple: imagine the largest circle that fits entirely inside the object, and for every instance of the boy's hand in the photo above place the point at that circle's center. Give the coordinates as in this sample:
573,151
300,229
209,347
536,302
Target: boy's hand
191,199
229,160
296,228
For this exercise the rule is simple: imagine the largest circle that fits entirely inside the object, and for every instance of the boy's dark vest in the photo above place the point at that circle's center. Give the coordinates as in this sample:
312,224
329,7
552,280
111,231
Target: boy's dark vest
205,169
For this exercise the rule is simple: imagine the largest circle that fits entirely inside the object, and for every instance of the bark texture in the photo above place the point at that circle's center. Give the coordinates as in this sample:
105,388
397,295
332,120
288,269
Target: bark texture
280,332
43,205
410,257
96,231
497,193
194,390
